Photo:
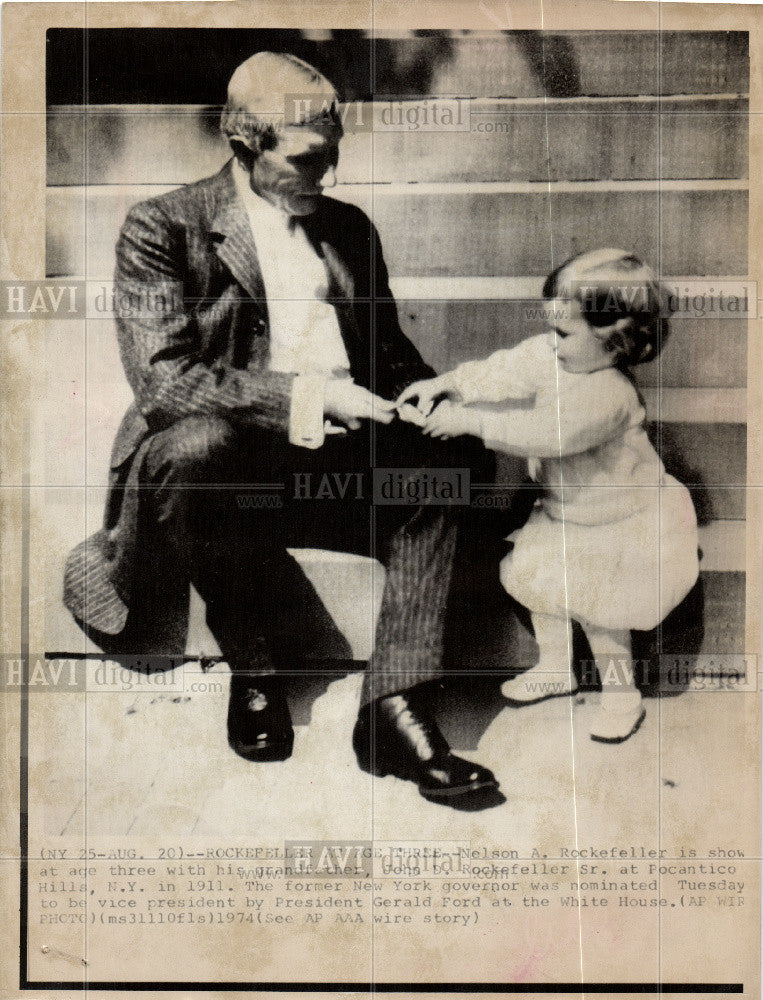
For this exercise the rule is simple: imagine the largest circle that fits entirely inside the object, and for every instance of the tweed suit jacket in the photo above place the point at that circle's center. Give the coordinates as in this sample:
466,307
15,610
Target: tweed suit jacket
194,339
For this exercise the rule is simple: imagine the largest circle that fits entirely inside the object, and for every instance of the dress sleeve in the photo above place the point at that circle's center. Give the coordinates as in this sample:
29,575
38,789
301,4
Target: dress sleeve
507,374
585,413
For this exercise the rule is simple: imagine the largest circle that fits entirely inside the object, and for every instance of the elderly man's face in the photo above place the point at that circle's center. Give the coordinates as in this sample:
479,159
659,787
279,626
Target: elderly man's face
292,175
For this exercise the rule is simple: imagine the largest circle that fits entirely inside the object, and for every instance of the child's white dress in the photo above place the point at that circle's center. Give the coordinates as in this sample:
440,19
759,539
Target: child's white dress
613,542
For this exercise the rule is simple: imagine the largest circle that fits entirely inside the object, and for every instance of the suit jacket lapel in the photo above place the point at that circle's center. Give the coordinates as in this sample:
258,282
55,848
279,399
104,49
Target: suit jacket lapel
341,283
238,252
236,249
325,241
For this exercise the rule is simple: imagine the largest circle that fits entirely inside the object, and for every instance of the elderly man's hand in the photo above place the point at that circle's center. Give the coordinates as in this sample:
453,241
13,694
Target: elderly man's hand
352,403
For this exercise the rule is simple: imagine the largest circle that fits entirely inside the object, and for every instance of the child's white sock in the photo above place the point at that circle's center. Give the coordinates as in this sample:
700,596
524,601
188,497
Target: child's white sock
552,676
620,712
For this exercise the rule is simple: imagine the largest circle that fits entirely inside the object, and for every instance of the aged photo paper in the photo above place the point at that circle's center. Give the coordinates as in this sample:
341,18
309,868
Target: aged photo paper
380,498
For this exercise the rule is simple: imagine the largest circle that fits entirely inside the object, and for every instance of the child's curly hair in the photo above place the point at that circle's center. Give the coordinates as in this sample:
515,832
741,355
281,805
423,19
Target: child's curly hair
612,285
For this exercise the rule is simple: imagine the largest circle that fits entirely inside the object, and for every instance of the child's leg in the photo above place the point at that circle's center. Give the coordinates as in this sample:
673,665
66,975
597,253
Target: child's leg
552,676
621,711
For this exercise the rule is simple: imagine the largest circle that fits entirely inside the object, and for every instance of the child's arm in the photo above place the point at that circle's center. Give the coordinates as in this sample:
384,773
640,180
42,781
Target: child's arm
601,406
509,374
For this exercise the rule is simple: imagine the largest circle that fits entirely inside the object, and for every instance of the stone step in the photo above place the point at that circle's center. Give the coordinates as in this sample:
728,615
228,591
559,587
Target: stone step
702,352
691,136
480,230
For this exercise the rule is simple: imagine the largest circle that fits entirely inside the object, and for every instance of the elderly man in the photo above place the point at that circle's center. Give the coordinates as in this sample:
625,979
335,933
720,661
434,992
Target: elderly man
278,358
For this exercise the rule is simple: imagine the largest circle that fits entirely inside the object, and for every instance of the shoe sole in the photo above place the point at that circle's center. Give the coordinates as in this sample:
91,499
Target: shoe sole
474,786
520,703
621,739
462,791
266,754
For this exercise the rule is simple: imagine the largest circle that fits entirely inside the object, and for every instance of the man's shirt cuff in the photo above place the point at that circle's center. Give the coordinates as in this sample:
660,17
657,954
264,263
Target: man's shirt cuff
306,421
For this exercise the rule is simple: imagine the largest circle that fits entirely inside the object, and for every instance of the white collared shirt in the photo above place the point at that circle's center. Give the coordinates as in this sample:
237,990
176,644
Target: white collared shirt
305,338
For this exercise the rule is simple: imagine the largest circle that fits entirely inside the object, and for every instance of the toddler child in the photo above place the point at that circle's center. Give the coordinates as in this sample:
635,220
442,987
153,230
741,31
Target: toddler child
613,542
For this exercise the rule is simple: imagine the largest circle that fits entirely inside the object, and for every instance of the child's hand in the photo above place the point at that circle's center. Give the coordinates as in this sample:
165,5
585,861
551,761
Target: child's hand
451,420
410,415
426,391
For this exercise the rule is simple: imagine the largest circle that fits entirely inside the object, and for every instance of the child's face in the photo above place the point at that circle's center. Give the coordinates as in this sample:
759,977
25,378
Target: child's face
579,346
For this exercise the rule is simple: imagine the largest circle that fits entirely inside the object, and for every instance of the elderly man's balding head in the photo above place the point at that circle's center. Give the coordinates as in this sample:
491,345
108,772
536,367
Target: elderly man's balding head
282,121
272,91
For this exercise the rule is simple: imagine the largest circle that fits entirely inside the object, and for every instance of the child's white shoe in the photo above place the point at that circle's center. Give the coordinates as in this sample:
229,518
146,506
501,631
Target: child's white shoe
618,718
538,684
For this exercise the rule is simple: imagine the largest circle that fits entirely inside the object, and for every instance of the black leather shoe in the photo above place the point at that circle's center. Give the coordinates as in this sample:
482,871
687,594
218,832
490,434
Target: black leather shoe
259,723
395,736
